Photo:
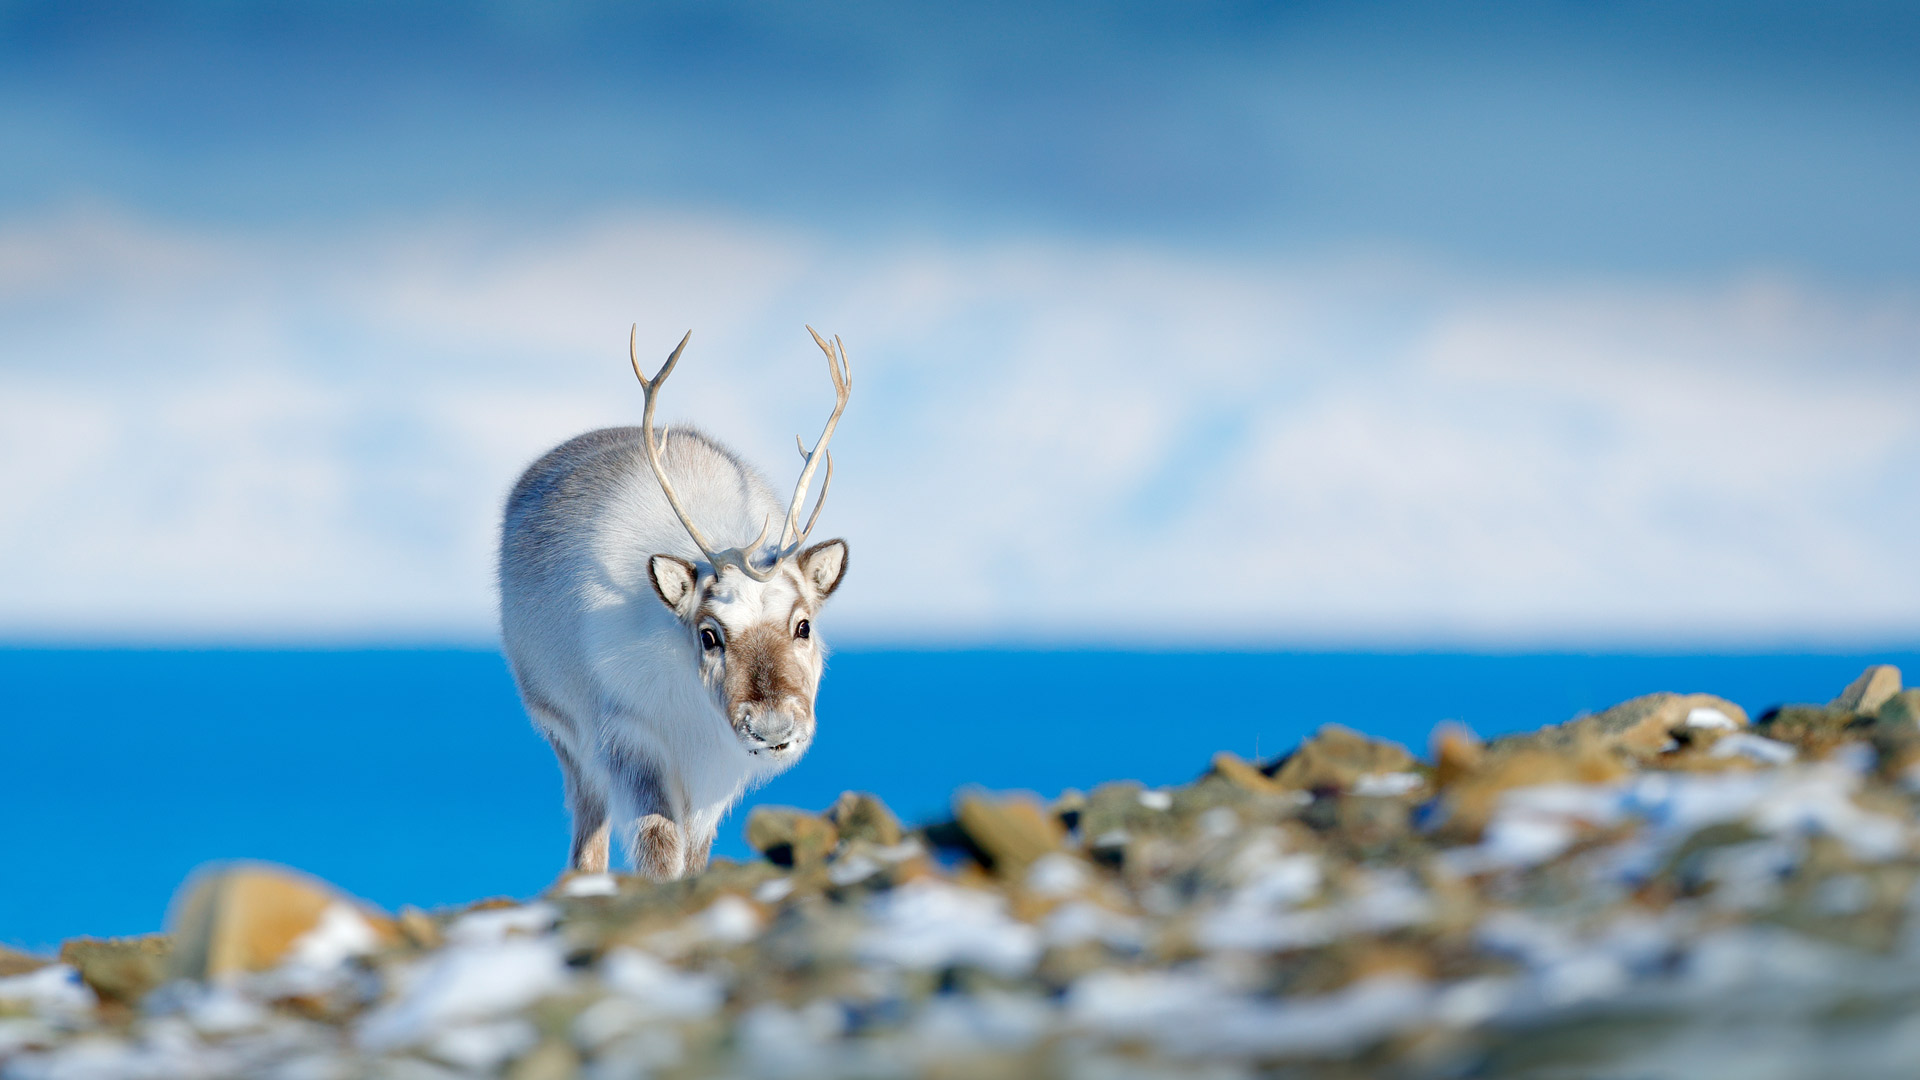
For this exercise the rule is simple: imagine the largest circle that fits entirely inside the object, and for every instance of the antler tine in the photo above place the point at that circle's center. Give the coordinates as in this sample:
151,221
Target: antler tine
826,483
837,368
651,388
666,369
765,524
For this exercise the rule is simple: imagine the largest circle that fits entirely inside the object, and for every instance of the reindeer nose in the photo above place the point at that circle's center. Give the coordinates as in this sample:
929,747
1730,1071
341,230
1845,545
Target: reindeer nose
773,728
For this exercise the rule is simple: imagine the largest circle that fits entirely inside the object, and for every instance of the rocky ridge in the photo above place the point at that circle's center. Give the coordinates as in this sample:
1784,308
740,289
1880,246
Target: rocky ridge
1662,889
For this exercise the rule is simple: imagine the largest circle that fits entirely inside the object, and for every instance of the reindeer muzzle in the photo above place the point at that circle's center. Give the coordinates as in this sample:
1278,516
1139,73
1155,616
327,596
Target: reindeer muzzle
767,729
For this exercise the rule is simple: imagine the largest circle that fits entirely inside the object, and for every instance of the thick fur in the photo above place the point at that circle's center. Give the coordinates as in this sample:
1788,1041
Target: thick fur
656,735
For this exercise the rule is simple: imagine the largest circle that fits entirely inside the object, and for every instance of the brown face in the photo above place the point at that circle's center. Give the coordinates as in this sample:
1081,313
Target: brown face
756,642
766,680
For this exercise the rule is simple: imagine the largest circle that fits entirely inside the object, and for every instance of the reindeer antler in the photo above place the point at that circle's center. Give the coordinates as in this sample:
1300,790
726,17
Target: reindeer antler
842,376
742,557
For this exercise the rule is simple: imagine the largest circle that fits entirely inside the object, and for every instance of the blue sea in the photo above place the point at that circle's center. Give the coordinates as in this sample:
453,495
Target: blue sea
411,776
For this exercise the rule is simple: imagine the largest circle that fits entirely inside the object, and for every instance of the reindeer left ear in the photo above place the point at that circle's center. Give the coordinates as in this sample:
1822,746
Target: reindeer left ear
673,579
823,565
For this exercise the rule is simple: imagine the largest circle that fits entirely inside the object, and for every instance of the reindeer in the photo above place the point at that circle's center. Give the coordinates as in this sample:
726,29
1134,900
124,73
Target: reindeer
669,672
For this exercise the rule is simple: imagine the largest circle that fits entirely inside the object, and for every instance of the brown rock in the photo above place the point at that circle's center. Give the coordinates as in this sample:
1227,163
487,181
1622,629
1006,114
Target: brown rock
15,962
1901,708
120,969
1368,828
553,1059
1896,737
1470,799
1011,831
860,816
1369,960
1874,688
1336,757
1641,728
1115,807
1814,730
247,918
418,928
790,837
1069,808
1235,770
1457,752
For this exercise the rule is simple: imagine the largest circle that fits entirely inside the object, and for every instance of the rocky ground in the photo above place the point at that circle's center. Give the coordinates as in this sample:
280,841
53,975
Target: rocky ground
1660,890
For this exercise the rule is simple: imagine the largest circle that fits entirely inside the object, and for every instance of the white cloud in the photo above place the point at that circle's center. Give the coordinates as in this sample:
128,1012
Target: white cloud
217,434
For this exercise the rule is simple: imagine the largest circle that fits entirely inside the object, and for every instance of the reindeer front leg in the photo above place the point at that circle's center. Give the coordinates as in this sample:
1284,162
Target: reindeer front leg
656,842
659,849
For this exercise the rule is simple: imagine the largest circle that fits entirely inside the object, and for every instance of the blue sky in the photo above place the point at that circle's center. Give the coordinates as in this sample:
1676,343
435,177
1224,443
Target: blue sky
1415,323
1632,136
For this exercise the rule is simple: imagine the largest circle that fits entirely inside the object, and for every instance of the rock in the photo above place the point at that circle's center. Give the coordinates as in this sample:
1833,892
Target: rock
1897,753
1901,708
120,969
1814,730
1238,772
1337,757
1012,831
1874,688
15,962
1368,828
1469,798
1457,752
860,816
1641,728
553,1059
418,928
1067,808
1372,916
250,918
1116,808
790,837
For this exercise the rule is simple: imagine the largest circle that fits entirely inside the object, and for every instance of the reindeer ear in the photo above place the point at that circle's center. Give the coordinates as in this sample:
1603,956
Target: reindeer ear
673,579
823,565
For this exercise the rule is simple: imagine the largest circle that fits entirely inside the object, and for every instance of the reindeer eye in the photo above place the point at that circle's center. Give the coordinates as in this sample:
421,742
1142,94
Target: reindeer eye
709,639
804,630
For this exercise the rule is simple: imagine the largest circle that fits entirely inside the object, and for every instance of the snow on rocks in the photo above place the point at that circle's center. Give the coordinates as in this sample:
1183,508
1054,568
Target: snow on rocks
54,992
1662,889
1188,1015
462,988
930,925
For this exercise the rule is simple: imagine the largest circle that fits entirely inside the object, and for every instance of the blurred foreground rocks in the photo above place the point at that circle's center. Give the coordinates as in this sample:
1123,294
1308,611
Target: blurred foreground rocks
1667,888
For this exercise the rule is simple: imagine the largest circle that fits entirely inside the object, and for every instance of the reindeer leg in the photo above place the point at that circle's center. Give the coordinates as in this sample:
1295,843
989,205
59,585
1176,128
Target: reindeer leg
655,840
590,845
698,852
588,852
659,850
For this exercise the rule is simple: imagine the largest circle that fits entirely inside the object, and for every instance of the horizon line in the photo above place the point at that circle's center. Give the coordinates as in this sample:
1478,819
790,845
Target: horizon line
1304,646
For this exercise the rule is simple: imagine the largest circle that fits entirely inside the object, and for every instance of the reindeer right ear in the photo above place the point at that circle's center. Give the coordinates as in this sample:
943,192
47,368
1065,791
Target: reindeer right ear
673,579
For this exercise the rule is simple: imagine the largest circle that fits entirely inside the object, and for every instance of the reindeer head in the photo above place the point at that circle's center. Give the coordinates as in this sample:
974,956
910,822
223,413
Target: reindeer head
751,608
758,651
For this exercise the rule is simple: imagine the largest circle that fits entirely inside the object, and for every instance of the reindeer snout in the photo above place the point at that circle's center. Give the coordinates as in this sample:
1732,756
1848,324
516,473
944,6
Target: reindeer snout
766,728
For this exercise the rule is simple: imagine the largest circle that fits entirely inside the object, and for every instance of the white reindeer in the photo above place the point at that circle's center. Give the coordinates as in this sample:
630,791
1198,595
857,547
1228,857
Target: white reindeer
668,671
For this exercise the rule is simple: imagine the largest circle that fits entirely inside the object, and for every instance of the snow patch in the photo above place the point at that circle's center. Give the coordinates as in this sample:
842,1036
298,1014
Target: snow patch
930,924
54,992
590,885
464,984
1756,747
498,924
1382,785
1709,718
341,933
